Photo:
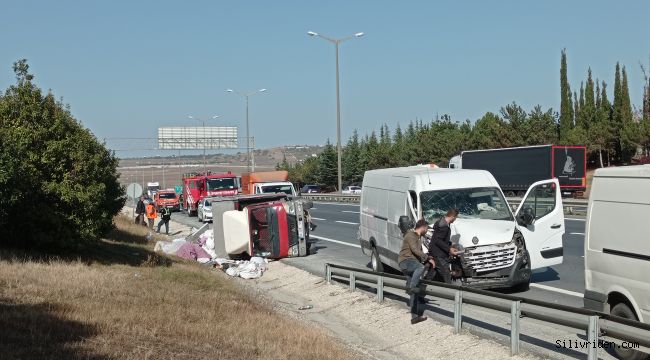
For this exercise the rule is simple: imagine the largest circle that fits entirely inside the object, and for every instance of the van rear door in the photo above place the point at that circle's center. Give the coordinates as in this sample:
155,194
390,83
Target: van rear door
543,202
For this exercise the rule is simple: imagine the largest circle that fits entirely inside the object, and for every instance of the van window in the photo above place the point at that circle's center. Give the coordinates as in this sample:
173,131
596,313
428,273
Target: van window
541,199
472,203
414,200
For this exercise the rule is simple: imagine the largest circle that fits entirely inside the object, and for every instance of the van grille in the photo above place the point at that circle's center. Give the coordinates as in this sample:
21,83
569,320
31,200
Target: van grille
488,258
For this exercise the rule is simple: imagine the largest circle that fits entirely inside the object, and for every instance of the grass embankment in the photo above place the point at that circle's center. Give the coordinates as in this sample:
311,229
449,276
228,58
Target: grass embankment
122,301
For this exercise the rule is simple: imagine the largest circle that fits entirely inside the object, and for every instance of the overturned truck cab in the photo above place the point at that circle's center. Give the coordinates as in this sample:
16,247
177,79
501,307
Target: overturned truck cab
265,225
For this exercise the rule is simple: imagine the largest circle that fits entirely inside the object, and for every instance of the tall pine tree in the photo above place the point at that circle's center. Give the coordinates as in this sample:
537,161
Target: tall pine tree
566,107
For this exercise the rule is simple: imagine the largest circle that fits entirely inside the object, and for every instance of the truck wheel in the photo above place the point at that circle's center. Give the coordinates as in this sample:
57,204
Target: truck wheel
375,261
624,311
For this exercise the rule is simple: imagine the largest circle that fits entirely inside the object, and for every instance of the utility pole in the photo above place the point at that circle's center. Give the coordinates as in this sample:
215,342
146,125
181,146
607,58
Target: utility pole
336,43
250,162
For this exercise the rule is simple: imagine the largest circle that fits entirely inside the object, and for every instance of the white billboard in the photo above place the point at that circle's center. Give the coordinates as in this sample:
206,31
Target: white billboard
197,137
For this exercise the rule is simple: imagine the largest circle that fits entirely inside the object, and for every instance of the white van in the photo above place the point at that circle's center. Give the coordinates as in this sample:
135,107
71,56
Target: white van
500,249
617,243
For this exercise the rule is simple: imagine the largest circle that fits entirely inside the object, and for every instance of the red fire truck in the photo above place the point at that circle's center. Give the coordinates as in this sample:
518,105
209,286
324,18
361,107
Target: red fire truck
197,186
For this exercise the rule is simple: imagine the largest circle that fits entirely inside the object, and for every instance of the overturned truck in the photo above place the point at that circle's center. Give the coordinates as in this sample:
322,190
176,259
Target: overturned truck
265,225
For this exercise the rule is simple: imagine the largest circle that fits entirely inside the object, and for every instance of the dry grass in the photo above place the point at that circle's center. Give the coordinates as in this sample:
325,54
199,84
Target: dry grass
122,301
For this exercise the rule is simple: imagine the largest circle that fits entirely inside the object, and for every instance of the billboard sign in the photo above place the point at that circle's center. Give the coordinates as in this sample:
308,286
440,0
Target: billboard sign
197,137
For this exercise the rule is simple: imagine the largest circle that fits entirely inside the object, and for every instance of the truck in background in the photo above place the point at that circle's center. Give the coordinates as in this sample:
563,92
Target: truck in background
267,182
197,186
515,169
152,188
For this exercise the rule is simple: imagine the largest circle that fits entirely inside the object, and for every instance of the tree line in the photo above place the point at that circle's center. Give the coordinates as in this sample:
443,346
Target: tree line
58,184
612,131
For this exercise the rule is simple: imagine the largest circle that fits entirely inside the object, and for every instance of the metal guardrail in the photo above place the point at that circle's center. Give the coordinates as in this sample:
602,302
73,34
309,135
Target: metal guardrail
571,206
595,323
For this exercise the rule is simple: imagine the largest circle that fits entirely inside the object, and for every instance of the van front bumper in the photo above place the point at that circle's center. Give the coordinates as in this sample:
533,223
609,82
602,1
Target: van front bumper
518,273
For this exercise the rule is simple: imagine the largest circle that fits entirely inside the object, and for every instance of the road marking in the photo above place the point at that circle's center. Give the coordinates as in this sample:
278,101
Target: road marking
571,219
576,233
335,241
314,218
561,291
350,212
347,222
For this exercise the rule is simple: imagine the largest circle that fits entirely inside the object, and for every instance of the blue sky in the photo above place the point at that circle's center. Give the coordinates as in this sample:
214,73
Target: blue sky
128,67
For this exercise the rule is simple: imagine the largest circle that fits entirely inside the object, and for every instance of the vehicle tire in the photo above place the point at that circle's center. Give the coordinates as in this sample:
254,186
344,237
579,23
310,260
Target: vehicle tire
199,217
375,261
624,311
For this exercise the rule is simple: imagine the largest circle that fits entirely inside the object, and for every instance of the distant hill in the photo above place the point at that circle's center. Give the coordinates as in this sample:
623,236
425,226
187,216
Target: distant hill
263,158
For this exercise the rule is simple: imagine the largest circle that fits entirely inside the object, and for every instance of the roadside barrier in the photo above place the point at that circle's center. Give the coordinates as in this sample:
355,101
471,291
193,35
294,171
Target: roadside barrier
571,206
595,323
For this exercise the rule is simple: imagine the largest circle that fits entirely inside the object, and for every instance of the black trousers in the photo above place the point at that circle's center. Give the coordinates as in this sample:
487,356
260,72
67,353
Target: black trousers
442,266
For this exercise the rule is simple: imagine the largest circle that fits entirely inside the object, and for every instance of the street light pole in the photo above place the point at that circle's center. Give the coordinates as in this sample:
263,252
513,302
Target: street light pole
336,43
250,165
205,166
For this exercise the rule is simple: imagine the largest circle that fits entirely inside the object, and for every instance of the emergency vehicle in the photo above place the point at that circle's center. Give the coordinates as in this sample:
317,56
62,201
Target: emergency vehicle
197,186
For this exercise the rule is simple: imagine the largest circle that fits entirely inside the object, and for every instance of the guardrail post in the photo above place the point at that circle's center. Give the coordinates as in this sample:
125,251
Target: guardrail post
592,337
353,284
458,311
380,288
515,313
328,273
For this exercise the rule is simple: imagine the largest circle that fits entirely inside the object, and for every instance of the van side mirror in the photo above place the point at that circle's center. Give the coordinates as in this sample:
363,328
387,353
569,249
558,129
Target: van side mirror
405,224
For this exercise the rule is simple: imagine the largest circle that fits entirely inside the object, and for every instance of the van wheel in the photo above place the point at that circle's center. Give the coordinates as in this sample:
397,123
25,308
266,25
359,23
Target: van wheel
375,262
624,311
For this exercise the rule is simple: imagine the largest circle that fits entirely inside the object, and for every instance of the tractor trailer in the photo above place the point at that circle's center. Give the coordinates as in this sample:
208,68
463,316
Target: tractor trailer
516,168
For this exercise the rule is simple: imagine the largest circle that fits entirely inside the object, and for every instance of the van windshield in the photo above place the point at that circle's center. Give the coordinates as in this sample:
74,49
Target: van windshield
473,203
287,189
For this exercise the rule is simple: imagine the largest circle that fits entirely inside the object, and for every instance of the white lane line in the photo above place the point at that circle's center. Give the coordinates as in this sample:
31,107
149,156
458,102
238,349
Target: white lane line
571,219
335,241
347,222
314,218
576,233
558,290
350,212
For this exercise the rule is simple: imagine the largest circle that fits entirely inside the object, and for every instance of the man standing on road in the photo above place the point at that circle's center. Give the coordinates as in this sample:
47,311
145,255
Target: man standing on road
165,216
139,210
440,246
410,261
151,214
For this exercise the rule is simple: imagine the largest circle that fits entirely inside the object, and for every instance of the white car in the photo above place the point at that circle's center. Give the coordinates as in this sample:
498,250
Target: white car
352,190
204,212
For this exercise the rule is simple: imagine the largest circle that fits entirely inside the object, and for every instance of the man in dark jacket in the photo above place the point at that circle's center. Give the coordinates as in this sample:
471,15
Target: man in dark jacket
139,210
440,246
165,216
410,261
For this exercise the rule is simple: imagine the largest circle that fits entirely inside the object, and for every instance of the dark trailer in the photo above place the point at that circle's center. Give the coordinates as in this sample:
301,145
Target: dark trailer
515,169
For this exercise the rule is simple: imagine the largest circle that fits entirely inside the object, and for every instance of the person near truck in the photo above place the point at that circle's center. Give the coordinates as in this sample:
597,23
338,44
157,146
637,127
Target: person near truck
411,259
139,210
440,246
151,214
165,216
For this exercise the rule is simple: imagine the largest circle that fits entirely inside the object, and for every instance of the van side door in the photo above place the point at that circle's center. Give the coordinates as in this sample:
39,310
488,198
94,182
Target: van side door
540,219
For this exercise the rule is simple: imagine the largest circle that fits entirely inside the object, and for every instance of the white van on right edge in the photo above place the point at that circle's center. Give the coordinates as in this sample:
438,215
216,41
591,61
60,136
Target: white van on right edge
617,245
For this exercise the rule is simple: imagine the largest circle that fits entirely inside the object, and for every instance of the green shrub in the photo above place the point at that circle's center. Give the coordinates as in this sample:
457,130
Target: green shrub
58,183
